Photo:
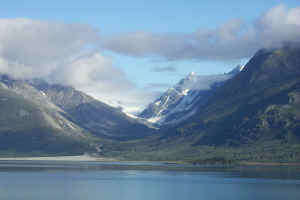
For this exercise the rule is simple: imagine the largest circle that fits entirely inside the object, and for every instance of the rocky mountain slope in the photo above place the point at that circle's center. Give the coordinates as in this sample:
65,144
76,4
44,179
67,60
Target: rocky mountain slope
260,104
98,118
40,117
251,116
183,99
255,116
31,123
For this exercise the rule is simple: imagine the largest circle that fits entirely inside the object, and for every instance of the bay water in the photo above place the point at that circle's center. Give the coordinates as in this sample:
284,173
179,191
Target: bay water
36,180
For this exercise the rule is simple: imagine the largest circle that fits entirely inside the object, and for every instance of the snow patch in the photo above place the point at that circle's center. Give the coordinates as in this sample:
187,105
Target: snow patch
154,119
131,115
181,101
185,92
157,103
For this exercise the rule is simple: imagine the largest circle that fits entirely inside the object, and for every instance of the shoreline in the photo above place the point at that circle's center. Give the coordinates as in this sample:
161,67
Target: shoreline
88,158
58,158
270,163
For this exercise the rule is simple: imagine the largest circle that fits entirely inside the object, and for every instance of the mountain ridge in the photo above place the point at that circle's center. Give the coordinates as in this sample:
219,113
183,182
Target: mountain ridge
255,116
42,112
182,100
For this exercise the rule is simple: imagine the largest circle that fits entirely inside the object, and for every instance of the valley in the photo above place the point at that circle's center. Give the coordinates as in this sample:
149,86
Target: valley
248,115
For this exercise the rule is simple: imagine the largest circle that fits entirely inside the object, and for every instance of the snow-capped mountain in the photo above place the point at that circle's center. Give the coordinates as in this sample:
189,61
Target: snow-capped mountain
72,110
181,101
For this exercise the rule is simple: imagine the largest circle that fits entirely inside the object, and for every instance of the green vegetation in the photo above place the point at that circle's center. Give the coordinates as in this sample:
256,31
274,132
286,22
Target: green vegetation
252,117
27,129
180,149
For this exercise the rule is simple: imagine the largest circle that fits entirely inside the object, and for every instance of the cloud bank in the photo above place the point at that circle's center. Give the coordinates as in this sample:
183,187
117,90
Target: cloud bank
164,69
66,54
72,54
232,40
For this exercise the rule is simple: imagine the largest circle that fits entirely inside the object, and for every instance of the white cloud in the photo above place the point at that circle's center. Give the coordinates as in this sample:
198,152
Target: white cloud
232,40
96,75
34,48
66,54
71,53
164,69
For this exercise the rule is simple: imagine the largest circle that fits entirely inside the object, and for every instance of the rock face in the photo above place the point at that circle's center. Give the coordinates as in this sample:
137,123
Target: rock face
91,114
40,117
254,116
32,123
182,101
260,104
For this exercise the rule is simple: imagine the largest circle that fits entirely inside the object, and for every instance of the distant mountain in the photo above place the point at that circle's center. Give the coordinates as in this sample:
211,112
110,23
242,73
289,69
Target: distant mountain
29,122
260,104
98,118
50,118
254,116
183,99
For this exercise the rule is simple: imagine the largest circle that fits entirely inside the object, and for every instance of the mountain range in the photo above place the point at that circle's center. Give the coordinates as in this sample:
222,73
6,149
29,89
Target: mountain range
40,117
182,100
253,116
249,114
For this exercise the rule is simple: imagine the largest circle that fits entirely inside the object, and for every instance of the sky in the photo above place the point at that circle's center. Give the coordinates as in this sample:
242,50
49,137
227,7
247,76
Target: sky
130,51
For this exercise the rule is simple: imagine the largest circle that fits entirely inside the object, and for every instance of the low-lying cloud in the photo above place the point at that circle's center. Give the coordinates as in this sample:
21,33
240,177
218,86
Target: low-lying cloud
30,48
157,86
230,41
67,54
72,54
164,69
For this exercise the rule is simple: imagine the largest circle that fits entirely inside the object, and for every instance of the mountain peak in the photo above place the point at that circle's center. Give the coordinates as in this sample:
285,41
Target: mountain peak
183,99
237,69
192,74
270,66
259,104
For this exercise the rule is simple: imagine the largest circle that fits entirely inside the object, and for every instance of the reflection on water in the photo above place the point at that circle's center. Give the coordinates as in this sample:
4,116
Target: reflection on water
153,181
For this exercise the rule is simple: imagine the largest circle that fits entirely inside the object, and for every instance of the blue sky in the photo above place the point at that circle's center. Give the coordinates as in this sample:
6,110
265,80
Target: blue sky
155,15
157,20
116,16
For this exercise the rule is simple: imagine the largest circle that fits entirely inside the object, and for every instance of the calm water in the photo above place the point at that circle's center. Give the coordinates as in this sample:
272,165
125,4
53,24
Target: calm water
88,181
